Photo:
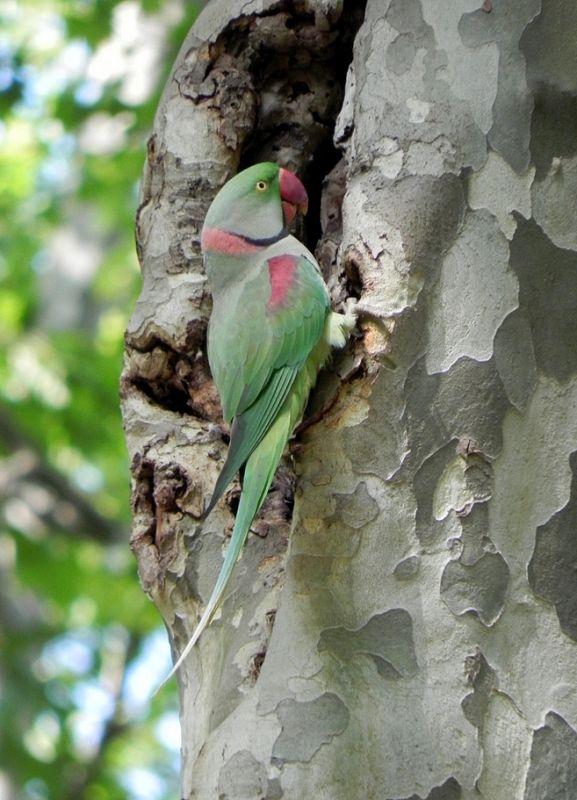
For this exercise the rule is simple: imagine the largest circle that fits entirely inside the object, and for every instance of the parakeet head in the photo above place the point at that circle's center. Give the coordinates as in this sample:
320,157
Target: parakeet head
258,205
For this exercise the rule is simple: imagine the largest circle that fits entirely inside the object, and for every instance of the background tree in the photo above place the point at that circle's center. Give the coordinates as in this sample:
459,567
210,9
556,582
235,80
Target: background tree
423,644
79,642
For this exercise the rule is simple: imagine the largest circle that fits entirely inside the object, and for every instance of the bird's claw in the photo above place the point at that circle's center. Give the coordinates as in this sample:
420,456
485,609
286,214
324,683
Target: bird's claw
356,309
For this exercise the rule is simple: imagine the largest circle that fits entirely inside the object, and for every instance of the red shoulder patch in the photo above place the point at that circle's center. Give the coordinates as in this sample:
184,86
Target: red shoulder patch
281,273
215,239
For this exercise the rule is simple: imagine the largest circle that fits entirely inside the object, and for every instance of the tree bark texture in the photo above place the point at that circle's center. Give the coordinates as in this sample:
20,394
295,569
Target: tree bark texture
424,641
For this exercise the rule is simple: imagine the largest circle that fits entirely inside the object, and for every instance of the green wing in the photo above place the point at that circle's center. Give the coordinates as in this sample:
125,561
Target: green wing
265,345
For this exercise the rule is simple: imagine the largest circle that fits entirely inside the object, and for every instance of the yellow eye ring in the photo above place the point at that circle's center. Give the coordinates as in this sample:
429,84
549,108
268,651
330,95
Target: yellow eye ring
261,186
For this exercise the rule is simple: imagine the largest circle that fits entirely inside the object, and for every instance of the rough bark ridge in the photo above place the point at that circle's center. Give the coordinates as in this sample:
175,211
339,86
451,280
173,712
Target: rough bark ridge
424,645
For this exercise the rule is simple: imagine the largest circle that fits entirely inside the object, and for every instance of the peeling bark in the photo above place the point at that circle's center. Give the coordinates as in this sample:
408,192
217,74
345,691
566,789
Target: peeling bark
424,642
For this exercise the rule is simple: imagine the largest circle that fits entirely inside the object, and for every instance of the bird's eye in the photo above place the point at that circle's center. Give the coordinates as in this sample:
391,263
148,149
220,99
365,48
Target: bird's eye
261,186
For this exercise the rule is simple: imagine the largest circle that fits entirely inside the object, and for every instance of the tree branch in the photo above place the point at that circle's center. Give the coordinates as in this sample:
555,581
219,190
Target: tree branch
60,505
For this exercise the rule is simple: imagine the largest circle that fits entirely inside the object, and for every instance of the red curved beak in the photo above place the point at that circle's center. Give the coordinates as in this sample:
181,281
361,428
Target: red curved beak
292,194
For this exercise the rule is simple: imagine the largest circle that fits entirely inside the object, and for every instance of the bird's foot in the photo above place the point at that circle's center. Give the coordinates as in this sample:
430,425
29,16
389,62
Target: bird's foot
356,309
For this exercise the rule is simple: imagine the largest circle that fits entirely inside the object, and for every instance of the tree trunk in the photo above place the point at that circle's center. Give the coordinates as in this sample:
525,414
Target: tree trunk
423,643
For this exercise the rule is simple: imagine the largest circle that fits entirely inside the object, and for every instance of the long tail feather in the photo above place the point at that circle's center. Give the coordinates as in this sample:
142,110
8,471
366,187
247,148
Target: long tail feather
259,472
250,428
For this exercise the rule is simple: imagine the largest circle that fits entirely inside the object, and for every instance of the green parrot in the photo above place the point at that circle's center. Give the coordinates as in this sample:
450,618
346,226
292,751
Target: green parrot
270,332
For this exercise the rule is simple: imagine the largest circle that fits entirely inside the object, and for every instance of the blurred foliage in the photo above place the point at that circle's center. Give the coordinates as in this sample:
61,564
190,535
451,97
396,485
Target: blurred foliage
80,648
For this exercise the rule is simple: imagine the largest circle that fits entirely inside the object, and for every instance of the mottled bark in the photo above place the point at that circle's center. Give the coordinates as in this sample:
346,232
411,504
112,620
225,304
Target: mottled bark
424,641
